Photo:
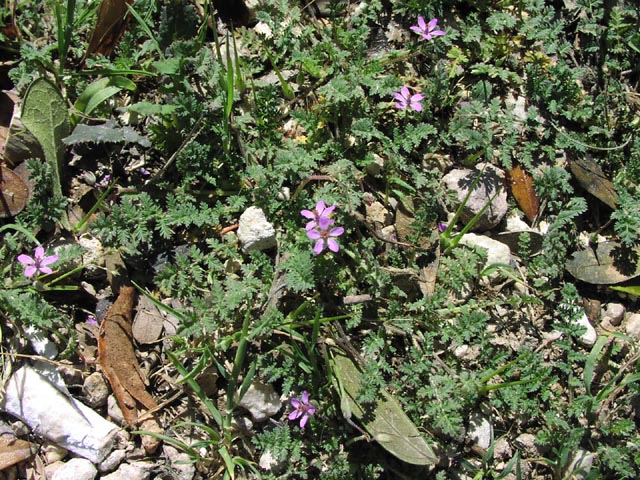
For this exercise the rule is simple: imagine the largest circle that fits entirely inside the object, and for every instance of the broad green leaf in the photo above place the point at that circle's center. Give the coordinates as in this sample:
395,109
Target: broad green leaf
45,114
388,424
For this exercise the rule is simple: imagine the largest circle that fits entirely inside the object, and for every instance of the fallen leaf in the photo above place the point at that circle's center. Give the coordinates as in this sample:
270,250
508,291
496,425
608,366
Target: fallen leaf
14,450
591,177
609,263
387,424
521,187
118,360
110,26
14,193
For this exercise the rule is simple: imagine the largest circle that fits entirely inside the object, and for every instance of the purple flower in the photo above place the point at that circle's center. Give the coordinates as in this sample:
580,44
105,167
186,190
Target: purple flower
91,320
442,227
302,409
319,216
325,238
405,99
38,263
427,30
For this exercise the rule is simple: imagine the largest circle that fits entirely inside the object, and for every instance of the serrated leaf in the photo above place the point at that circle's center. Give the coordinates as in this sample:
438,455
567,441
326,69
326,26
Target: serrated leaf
105,133
388,424
45,114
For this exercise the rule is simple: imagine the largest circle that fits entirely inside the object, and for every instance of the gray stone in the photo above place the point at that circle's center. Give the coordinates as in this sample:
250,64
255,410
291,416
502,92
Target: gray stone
378,215
76,469
182,467
615,312
502,450
497,252
526,443
93,257
581,463
130,471
113,460
492,180
261,400
589,337
632,325
480,430
95,390
254,231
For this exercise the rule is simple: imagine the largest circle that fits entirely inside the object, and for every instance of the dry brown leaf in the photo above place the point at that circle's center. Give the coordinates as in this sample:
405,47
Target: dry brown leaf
521,186
118,360
110,26
591,177
14,193
14,450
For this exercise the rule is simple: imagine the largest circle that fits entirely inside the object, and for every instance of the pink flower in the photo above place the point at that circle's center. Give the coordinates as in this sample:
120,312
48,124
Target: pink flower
38,263
405,99
325,238
427,30
319,216
302,409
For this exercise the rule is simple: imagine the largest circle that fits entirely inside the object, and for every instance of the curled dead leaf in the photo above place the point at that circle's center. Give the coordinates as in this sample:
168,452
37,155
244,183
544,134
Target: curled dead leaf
14,193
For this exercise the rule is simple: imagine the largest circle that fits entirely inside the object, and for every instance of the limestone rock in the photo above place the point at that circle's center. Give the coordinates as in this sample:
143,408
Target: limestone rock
254,231
76,468
261,400
460,180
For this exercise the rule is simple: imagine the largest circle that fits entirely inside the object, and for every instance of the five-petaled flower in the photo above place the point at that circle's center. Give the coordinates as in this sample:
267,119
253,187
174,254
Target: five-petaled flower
38,263
319,216
405,99
302,409
427,30
320,228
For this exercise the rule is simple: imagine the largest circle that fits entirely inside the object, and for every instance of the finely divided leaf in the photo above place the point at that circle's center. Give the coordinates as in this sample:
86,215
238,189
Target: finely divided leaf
388,424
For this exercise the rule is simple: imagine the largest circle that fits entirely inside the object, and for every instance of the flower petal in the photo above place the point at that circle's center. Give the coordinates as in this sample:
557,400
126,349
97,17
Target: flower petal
433,23
421,23
311,410
294,415
333,245
39,253
437,33
417,106
320,207
318,247
303,420
401,105
310,225
308,214
336,232
314,234
417,97
404,91
29,271
328,211
45,270
305,398
324,223
26,259
49,260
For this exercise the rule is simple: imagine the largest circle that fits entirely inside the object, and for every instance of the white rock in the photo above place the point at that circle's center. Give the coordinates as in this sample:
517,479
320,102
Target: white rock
93,258
269,463
130,471
113,460
516,224
632,325
377,214
44,347
480,430
182,467
114,411
615,312
76,469
95,390
254,231
589,337
526,443
56,416
261,400
497,252
581,463
460,180
54,453
502,450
